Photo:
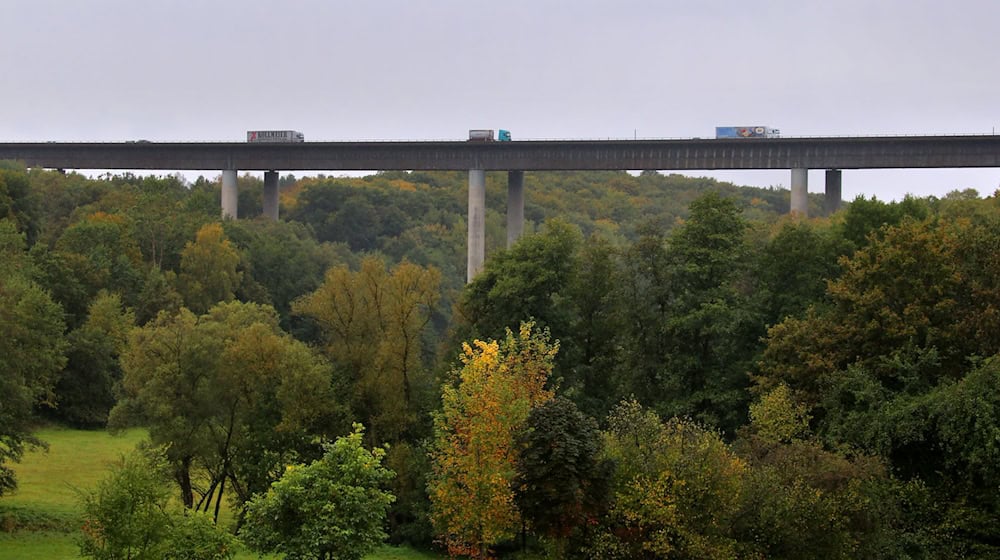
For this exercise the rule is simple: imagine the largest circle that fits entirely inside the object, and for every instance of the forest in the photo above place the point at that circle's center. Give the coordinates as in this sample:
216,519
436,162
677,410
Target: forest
663,367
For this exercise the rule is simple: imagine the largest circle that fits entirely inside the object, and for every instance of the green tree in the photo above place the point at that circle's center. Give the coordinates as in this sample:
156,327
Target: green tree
283,258
528,282
128,517
690,333
84,392
231,396
100,250
561,486
884,367
32,350
864,219
333,508
474,451
793,267
17,201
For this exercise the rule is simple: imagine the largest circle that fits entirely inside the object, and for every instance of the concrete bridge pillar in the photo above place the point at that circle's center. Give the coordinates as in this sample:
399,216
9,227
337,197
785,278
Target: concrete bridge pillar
230,194
271,194
833,191
800,191
477,222
515,206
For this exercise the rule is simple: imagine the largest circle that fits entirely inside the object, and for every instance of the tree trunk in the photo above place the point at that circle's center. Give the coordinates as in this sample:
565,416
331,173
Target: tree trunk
183,476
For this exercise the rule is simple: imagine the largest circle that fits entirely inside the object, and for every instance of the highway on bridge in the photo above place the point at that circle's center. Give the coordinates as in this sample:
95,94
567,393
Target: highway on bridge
795,154
676,155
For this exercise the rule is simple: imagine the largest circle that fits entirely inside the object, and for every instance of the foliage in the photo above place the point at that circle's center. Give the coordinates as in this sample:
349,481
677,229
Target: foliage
561,485
886,367
31,350
228,392
373,322
526,283
127,516
776,417
474,452
676,487
17,201
333,508
101,250
793,267
283,258
690,333
84,391
208,273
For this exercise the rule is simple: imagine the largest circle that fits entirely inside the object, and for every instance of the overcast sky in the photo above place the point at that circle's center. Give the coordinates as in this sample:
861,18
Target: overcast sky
206,70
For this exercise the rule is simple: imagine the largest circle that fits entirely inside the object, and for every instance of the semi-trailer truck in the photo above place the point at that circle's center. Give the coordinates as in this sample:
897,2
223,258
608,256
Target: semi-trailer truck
486,135
275,136
746,132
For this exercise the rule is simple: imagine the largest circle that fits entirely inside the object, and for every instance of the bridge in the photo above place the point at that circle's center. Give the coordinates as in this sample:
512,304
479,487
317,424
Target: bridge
795,154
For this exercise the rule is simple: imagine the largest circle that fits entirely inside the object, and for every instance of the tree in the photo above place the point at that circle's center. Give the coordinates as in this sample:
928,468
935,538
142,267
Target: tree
690,333
228,393
474,451
129,517
84,392
373,323
331,509
561,485
527,282
283,258
32,350
126,516
101,252
887,366
793,268
208,269
676,486
17,202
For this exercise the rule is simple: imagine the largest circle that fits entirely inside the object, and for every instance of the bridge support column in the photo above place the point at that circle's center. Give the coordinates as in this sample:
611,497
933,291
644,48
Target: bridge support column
477,222
230,194
800,191
515,206
271,194
833,191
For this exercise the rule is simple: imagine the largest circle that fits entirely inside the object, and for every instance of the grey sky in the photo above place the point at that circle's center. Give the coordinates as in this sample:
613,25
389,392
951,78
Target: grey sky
204,70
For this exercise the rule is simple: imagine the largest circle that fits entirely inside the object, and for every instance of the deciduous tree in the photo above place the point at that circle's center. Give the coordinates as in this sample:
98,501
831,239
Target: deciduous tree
331,509
474,451
32,350
209,272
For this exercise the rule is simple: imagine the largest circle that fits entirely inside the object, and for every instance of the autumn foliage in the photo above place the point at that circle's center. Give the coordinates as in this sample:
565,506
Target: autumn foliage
474,453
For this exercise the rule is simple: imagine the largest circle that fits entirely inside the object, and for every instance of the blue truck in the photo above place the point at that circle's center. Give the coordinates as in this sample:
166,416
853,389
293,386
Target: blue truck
746,132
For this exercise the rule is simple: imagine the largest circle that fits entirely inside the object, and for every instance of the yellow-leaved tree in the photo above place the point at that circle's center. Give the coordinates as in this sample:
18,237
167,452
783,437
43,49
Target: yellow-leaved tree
373,322
474,452
209,272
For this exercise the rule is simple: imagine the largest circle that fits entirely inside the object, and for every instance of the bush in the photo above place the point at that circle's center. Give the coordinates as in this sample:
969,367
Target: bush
127,517
333,508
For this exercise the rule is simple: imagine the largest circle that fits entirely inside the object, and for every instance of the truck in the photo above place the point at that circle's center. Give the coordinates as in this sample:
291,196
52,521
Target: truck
274,136
486,135
746,132
480,135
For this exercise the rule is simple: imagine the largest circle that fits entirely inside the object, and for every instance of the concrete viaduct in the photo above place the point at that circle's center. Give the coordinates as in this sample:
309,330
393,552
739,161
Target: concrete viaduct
796,154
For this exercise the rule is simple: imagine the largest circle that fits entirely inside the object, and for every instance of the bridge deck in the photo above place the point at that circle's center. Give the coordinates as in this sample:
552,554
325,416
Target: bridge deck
693,154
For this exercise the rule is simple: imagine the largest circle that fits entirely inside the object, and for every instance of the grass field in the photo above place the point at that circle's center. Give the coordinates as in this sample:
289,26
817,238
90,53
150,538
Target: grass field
40,520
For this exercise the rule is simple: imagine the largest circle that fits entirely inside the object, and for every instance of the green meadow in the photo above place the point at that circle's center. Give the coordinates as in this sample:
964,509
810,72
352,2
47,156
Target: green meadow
42,518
